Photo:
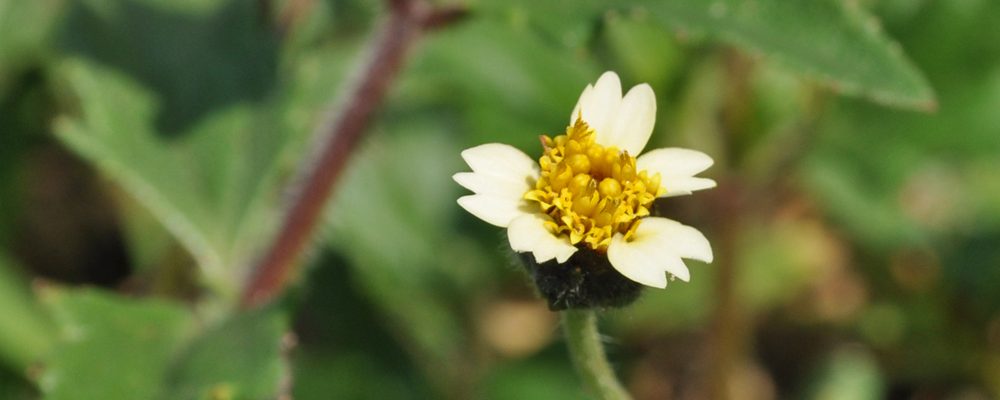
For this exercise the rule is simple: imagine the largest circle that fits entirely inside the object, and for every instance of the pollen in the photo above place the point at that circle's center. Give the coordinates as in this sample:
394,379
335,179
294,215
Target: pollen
591,192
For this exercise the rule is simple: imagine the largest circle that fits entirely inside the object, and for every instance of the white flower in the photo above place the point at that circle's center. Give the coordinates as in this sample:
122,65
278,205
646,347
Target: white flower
589,191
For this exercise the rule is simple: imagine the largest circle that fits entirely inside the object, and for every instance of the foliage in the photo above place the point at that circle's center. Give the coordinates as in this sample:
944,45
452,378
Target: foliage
856,143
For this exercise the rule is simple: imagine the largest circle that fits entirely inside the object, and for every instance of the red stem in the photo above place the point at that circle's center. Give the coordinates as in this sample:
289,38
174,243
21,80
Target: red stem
338,136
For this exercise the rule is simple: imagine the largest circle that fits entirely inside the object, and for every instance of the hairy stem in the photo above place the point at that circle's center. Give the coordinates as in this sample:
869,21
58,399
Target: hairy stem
337,136
588,355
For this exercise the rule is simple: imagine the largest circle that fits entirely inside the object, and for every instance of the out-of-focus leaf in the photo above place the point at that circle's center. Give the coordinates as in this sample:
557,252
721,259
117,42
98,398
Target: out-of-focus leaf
533,379
24,118
115,133
350,375
188,7
241,359
848,374
895,178
833,41
186,52
777,261
861,202
641,49
508,84
25,334
215,187
14,387
388,218
25,27
567,23
111,348
164,116
345,349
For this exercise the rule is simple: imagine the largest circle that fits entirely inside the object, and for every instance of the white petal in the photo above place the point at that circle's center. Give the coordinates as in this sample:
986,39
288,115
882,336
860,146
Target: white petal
527,233
657,247
633,123
680,239
601,103
497,161
499,211
674,161
636,262
684,185
583,98
491,185
677,168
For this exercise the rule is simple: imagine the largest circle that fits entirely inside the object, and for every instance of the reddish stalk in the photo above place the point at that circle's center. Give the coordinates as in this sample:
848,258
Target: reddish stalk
337,136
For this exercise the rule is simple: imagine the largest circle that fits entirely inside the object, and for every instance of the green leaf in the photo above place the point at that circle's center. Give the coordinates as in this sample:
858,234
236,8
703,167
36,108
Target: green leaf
215,188
26,27
110,348
115,133
241,359
187,52
202,148
25,334
833,41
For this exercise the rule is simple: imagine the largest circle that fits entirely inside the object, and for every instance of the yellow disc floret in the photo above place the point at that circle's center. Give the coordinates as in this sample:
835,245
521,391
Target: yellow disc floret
591,192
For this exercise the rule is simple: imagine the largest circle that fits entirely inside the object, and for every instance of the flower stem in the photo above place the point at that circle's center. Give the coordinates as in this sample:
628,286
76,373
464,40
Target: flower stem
587,353
337,137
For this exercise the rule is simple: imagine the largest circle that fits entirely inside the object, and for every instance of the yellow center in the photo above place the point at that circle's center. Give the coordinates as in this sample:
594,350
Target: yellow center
591,192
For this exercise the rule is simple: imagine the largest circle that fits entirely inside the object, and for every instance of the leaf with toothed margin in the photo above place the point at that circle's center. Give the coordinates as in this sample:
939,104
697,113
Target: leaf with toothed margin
241,359
835,42
112,347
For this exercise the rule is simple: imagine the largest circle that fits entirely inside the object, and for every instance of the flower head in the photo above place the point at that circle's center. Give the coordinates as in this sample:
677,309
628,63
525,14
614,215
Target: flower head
589,193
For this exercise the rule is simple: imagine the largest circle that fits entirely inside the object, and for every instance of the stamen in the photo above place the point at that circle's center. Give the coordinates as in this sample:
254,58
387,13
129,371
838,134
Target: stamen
590,191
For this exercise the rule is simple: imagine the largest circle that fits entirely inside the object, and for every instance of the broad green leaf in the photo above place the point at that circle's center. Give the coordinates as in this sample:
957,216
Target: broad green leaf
216,186
109,347
241,359
115,133
25,333
833,41
203,149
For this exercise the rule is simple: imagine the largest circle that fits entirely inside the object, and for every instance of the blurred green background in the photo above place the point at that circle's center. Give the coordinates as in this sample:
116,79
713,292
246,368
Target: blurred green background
145,145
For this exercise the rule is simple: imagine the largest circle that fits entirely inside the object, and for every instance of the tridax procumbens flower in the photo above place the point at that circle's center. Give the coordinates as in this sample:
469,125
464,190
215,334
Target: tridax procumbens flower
590,193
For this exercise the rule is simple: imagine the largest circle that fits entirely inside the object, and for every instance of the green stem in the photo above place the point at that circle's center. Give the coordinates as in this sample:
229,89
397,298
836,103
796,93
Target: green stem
588,355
